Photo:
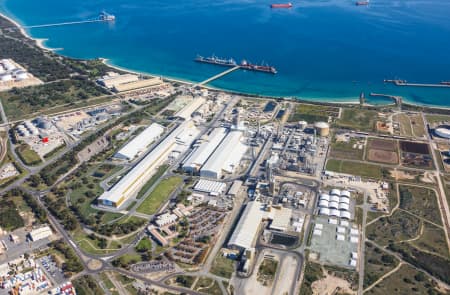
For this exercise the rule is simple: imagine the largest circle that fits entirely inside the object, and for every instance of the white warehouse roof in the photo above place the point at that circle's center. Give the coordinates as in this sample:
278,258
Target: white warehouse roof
141,142
345,193
344,200
133,181
247,228
335,191
187,111
226,157
199,156
324,197
40,233
209,186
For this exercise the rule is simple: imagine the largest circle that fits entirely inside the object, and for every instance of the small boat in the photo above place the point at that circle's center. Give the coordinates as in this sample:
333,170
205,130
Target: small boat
281,5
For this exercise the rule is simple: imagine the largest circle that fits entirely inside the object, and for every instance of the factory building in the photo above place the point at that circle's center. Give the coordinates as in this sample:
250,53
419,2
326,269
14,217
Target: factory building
138,84
214,188
177,142
140,143
245,234
40,233
226,157
187,111
112,80
200,155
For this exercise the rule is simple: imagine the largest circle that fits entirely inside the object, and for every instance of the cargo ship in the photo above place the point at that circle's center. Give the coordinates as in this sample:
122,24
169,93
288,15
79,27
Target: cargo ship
281,5
258,68
216,61
445,82
103,16
362,3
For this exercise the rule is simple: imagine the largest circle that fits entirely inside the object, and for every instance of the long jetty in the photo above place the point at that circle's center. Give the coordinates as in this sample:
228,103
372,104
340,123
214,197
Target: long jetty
220,75
405,83
66,23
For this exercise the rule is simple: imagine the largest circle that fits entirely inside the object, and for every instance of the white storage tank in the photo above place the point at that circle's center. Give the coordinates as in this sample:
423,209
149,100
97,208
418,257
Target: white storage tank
322,128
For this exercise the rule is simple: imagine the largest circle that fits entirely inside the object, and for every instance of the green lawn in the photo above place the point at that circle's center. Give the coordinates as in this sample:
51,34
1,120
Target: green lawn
159,195
222,266
151,182
355,168
358,119
27,155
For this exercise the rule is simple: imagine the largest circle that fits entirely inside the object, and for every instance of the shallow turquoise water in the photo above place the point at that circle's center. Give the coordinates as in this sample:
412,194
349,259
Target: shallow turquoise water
323,49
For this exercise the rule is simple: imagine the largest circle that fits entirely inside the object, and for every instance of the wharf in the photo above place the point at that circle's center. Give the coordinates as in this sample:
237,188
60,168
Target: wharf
220,75
65,24
405,83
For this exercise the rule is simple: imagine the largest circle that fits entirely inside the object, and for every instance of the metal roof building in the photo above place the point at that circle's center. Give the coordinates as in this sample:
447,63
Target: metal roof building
201,154
245,233
226,157
187,111
210,187
133,181
140,143
40,233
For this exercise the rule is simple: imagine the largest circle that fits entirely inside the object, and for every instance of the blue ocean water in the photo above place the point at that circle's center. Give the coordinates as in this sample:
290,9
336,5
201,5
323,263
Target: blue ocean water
327,50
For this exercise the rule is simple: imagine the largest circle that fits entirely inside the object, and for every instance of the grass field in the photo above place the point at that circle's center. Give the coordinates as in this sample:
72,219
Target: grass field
345,150
313,113
313,272
420,201
159,195
377,263
411,124
437,119
404,124
267,270
151,182
27,155
207,286
398,227
222,266
357,119
355,168
406,280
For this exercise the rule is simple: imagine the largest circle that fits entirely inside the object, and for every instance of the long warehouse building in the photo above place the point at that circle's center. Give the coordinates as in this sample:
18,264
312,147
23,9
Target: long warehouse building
226,157
200,155
177,142
246,231
140,143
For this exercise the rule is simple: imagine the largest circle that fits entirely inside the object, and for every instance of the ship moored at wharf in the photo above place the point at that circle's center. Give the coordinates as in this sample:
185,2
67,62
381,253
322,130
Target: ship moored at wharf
281,5
214,60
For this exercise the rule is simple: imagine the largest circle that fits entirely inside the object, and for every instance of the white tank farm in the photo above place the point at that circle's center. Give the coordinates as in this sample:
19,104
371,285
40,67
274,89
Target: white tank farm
335,192
6,77
324,211
334,198
333,205
324,197
344,200
323,203
345,193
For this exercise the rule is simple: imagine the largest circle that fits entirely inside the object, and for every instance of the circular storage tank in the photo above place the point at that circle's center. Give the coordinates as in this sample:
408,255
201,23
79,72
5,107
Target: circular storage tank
5,78
323,204
21,76
443,131
302,125
325,197
335,192
322,128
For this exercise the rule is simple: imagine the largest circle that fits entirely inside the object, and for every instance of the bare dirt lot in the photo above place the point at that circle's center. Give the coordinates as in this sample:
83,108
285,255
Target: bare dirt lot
382,156
415,147
331,285
385,145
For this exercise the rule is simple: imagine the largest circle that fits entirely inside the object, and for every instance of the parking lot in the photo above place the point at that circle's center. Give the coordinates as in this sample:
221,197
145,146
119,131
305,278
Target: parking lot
51,269
10,249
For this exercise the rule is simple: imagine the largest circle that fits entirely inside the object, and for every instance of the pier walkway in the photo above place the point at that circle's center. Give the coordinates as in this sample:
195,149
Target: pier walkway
218,76
65,23
404,83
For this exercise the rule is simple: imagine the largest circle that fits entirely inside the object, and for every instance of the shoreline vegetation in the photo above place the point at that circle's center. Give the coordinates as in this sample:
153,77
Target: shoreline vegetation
40,44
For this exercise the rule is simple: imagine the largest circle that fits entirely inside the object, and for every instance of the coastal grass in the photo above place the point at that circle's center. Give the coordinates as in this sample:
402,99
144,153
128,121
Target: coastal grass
208,286
345,150
358,119
421,202
159,195
313,113
432,240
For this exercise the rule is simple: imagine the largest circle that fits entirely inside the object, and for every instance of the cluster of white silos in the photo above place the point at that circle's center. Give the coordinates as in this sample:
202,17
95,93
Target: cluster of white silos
26,129
336,204
9,72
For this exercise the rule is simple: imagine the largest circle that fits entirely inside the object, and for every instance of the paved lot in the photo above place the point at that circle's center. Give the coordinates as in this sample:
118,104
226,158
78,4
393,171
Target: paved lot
14,250
332,251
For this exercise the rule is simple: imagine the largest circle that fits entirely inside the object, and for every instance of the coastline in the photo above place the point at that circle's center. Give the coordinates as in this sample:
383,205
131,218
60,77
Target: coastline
40,42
